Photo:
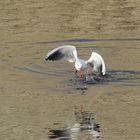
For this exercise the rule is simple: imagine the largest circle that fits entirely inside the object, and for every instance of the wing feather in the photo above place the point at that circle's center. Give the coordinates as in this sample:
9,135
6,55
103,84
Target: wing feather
66,52
98,63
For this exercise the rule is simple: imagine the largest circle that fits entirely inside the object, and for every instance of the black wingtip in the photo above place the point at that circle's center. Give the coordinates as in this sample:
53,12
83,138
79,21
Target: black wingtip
57,55
46,59
49,59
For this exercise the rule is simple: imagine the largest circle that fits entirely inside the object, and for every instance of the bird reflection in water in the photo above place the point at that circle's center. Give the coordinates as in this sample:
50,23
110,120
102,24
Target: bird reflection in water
85,128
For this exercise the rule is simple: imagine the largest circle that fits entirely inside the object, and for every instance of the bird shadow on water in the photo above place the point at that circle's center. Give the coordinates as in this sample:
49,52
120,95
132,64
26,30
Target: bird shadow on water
123,77
84,126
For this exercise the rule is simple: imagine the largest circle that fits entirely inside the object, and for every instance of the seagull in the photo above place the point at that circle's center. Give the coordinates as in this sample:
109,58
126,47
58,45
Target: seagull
95,64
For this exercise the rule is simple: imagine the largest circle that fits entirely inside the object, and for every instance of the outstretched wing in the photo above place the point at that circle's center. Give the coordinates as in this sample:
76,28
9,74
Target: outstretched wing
97,62
66,52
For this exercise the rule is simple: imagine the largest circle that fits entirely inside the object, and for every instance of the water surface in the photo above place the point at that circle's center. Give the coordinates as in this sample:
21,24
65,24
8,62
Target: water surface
35,95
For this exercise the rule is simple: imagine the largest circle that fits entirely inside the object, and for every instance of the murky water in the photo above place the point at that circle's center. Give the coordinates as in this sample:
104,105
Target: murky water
38,98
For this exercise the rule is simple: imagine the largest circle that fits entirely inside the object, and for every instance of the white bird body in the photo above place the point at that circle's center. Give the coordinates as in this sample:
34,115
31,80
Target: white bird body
80,64
69,53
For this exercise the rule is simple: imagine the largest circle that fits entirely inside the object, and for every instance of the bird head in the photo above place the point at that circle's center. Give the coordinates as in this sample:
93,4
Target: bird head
78,66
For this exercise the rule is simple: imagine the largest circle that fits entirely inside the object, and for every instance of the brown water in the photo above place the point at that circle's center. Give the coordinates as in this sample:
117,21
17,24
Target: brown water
37,98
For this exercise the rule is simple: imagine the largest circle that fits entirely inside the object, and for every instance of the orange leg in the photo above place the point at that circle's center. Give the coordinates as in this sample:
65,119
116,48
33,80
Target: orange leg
81,74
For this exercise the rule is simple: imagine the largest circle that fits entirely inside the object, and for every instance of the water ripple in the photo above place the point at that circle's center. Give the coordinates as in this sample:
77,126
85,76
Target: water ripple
82,40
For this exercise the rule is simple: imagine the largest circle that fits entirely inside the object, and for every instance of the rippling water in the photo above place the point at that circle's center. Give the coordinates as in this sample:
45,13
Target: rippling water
35,95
